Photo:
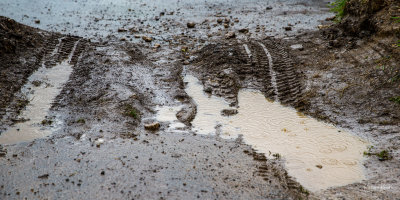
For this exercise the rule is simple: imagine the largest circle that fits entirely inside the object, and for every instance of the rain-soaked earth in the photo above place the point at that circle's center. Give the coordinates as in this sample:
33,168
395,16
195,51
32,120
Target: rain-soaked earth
178,99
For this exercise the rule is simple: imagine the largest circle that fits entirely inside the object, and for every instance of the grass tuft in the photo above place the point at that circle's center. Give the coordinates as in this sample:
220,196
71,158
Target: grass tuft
338,8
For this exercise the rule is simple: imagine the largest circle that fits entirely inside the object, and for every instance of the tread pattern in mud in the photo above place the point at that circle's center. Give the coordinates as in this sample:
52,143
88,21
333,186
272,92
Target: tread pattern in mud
287,79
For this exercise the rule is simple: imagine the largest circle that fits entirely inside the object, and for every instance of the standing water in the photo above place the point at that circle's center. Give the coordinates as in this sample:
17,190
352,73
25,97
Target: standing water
317,154
52,80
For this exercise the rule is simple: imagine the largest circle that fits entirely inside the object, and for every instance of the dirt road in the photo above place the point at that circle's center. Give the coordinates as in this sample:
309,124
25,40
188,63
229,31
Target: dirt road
127,60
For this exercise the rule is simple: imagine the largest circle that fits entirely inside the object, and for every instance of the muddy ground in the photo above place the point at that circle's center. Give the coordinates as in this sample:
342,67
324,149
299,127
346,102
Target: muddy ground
101,150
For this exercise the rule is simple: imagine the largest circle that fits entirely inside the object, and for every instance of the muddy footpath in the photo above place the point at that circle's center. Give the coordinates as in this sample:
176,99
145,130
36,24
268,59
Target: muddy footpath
207,100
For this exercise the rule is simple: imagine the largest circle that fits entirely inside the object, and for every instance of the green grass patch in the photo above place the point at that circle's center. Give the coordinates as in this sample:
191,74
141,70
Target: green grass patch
396,19
130,111
395,99
338,8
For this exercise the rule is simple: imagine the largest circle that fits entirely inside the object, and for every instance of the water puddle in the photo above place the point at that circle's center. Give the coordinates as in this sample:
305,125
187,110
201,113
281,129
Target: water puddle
317,154
42,87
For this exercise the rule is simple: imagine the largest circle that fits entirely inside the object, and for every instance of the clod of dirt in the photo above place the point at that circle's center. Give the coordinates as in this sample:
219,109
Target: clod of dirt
152,127
288,28
44,176
244,30
229,112
147,39
230,35
191,24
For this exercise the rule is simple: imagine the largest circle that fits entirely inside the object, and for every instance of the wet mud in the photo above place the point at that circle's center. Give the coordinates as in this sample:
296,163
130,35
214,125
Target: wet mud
124,125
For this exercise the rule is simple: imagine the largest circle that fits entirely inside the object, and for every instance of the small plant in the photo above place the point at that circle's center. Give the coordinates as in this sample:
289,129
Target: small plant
395,99
80,120
382,156
131,112
397,19
338,7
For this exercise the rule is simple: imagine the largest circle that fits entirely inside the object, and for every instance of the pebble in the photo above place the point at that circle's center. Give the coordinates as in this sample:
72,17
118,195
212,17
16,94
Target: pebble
152,127
191,24
147,39
230,35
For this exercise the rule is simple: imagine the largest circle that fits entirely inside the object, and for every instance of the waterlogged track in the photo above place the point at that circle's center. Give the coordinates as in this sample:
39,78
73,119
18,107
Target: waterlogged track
42,88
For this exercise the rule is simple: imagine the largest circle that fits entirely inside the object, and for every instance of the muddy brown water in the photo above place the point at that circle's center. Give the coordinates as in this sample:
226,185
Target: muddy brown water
40,99
317,154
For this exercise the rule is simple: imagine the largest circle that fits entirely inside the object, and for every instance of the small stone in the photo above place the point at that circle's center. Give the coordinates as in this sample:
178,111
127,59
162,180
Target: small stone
186,62
157,46
297,47
121,30
191,24
230,35
244,30
137,36
44,176
147,39
229,112
37,21
226,25
219,21
268,8
319,166
288,28
157,18
102,173
99,142
152,127
227,20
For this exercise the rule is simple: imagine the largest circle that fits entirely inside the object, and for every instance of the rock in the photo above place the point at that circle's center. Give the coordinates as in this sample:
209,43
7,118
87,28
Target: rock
319,166
219,20
226,25
230,35
162,13
268,8
227,20
152,127
137,36
122,30
37,21
44,176
288,28
157,46
229,112
157,18
297,47
191,24
186,62
323,26
147,39
99,142
244,30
